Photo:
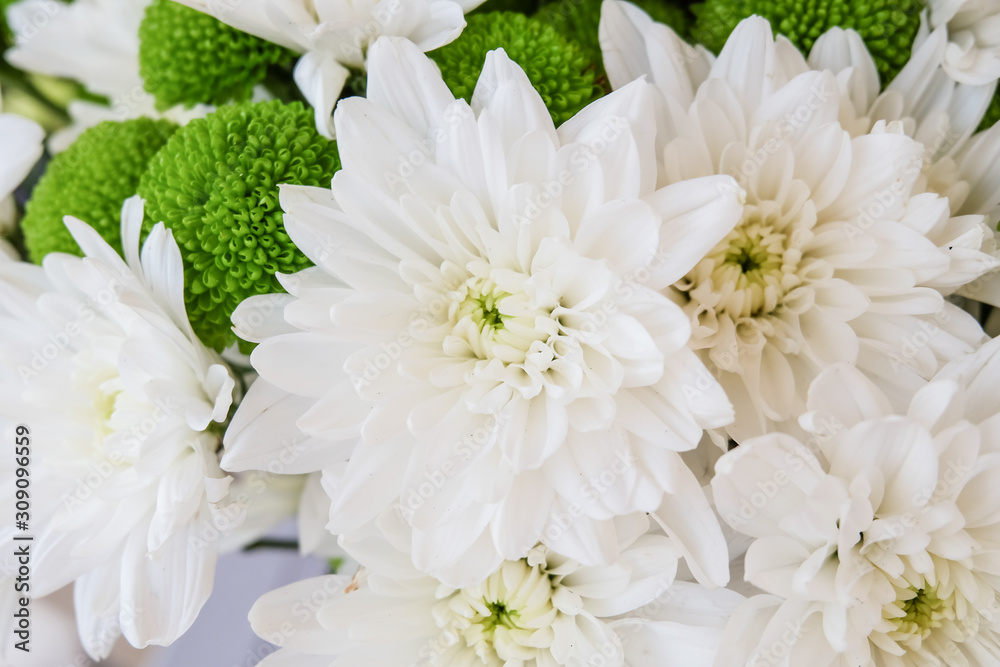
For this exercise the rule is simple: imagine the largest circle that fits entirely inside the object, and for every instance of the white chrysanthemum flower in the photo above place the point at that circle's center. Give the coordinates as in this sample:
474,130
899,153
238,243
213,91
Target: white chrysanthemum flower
334,35
123,404
484,313
95,42
973,53
839,256
934,109
539,611
943,116
877,540
20,147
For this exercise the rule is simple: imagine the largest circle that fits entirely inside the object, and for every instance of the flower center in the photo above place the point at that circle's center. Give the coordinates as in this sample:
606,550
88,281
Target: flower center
753,267
120,422
99,380
756,250
924,616
507,617
513,334
924,612
104,406
481,301
490,321
752,272
499,615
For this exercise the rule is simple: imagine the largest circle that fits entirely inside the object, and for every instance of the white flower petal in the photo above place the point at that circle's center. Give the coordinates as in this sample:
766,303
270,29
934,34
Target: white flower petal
407,83
686,516
696,215
321,79
271,615
157,607
746,62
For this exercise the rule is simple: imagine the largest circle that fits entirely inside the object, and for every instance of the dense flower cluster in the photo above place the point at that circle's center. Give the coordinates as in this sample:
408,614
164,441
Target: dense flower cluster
603,334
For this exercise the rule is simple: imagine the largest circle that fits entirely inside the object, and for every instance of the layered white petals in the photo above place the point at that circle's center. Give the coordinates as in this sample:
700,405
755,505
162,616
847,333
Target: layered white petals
846,243
129,470
973,51
484,316
539,611
94,42
867,539
334,36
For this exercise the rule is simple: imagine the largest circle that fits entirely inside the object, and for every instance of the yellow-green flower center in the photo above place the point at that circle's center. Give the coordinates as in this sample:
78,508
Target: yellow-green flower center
480,304
755,251
922,613
500,615
752,268
488,322
506,618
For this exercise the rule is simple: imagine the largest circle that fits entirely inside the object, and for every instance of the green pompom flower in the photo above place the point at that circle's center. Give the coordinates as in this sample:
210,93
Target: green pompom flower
91,180
215,184
188,57
578,20
888,27
556,66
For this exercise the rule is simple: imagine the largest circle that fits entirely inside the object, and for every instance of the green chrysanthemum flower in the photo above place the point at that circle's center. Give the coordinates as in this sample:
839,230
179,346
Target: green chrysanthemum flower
187,57
215,184
579,20
556,67
887,26
91,180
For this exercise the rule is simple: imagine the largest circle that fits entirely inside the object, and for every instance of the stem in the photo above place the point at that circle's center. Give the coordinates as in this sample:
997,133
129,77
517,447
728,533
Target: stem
272,544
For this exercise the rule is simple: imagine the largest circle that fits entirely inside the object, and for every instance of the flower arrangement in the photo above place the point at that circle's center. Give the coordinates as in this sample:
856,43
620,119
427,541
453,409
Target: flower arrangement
578,333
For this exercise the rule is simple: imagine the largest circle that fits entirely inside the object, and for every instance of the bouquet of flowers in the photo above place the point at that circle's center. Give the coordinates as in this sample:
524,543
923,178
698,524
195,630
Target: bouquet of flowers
581,333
